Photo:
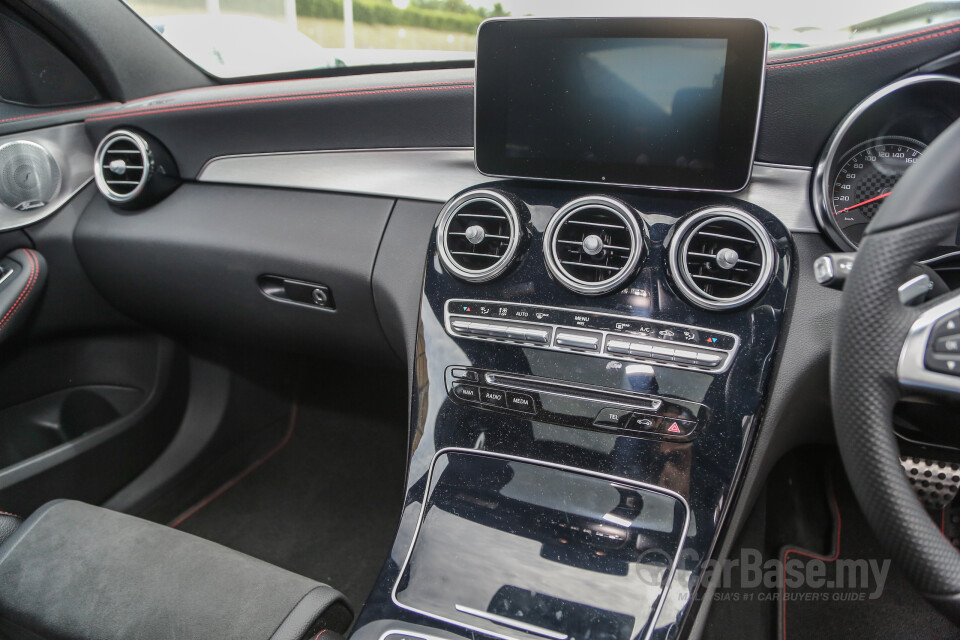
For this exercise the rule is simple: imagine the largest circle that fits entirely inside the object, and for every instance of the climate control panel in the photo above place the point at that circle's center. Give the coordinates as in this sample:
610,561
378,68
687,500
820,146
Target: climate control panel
592,333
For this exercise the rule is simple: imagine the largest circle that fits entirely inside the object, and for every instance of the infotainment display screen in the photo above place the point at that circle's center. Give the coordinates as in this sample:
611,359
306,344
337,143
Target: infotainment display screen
653,102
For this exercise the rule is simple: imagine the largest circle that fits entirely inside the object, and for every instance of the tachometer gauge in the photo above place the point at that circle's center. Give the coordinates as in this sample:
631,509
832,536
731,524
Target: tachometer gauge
866,175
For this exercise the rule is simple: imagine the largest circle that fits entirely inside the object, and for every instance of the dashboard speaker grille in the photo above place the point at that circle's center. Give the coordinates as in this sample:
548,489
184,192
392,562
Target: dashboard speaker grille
478,235
721,259
123,166
593,245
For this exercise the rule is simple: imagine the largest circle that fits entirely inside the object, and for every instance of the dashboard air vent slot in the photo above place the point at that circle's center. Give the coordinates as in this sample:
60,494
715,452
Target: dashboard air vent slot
124,165
721,258
478,235
593,245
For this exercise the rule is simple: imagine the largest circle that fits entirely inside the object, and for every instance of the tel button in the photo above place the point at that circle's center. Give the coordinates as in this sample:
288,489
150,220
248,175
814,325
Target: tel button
610,417
520,402
495,397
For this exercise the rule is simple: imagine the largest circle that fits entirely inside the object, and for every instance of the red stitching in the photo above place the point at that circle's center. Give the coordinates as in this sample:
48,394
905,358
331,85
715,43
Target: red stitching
860,53
34,273
302,80
869,43
317,637
800,552
230,102
7,513
50,113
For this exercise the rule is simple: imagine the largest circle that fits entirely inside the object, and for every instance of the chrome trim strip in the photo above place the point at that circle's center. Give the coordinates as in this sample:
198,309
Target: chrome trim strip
71,149
652,620
756,126
820,187
606,335
911,370
508,622
436,174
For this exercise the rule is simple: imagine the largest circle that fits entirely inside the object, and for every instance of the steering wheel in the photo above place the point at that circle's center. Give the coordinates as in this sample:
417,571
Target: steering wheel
883,351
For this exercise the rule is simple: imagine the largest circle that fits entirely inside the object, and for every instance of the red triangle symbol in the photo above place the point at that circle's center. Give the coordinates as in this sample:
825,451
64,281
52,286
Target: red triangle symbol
674,428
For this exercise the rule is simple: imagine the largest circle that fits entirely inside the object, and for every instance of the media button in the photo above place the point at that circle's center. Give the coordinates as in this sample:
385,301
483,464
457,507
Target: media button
520,402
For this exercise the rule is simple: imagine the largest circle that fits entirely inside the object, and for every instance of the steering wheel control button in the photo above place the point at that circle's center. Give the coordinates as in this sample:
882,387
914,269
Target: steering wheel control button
579,340
947,344
520,402
495,397
947,325
610,417
593,333
468,392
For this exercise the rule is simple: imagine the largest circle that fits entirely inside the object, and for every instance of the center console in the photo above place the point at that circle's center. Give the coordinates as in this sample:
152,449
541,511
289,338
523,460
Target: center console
574,456
591,360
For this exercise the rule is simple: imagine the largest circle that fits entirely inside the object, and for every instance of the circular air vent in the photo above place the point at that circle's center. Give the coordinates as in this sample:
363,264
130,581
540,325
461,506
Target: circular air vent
123,166
478,235
593,245
721,258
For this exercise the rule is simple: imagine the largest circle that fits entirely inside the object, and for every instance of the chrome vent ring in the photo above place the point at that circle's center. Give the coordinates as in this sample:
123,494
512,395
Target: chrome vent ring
721,258
593,245
123,165
478,235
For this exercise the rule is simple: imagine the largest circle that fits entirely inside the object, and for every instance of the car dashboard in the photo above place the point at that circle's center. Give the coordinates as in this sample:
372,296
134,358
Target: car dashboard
599,376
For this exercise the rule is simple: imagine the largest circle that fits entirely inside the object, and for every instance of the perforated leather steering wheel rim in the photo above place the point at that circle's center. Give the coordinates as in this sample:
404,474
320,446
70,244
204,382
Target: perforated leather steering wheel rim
872,328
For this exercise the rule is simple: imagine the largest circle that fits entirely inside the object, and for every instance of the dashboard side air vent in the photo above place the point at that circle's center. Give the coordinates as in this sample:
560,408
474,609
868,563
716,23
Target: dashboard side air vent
593,245
721,258
133,170
478,235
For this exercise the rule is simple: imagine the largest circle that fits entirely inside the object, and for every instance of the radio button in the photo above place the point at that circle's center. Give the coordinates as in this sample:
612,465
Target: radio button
495,397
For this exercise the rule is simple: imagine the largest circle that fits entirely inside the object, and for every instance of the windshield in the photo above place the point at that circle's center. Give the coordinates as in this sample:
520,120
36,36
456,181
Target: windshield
234,38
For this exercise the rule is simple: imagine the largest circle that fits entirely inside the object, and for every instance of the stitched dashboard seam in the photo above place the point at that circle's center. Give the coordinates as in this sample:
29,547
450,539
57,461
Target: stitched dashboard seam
311,95
860,53
868,43
53,113
7,513
272,82
18,303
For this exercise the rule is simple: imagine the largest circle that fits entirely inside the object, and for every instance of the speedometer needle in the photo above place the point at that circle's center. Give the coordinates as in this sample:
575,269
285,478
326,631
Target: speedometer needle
860,204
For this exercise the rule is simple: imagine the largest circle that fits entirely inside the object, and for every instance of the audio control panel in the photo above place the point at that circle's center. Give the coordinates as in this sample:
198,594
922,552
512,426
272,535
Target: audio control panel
574,405
591,333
